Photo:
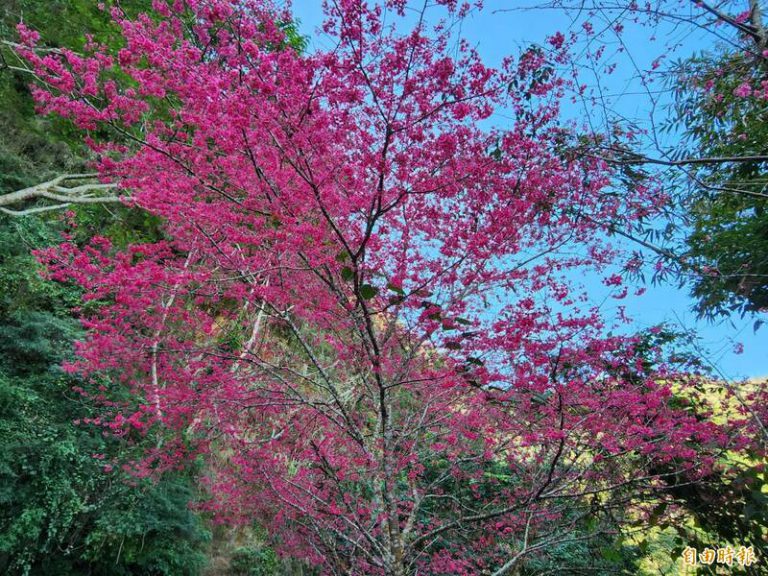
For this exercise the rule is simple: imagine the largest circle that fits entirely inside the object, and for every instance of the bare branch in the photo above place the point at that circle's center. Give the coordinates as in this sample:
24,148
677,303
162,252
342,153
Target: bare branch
85,191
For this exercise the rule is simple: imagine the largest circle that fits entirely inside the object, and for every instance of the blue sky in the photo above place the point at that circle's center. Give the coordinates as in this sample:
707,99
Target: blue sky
499,31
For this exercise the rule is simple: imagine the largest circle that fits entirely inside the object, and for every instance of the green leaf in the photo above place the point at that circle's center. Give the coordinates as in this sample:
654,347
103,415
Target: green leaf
610,553
347,273
643,546
367,291
657,513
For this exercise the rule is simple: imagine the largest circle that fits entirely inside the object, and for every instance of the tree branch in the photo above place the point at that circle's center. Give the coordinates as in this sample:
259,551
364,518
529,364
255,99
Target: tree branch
87,191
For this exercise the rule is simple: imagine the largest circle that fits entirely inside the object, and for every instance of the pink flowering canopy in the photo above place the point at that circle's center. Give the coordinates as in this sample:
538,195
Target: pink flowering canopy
360,315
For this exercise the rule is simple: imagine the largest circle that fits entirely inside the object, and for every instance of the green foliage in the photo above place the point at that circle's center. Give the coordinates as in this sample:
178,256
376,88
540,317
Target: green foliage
729,507
603,555
60,511
62,514
250,561
728,236
66,507
152,531
32,148
65,22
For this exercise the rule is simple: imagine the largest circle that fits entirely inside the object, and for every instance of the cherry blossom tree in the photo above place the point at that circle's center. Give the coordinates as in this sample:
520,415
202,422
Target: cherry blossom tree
362,314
